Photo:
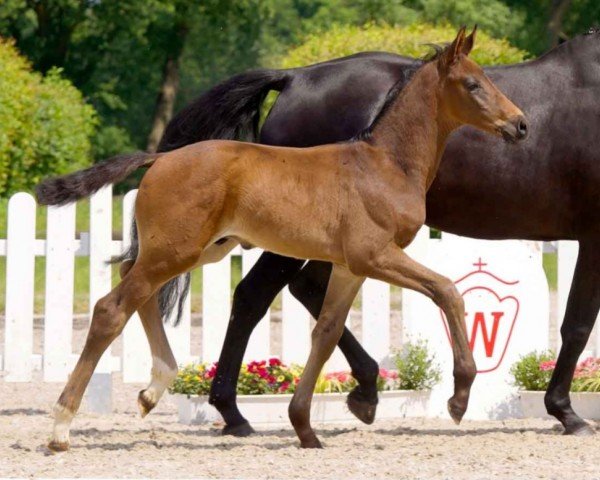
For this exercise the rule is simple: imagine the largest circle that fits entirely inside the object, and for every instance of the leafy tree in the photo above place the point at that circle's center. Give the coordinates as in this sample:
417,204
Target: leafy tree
493,16
411,40
45,125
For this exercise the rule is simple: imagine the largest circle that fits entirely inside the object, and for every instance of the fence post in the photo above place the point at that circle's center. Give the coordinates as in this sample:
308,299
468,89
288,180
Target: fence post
259,346
567,258
136,352
58,315
295,329
179,336
99,392
216,291
20,265
376,318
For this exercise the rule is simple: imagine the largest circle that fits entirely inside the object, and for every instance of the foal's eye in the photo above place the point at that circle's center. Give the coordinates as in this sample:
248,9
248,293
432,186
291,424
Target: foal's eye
472,85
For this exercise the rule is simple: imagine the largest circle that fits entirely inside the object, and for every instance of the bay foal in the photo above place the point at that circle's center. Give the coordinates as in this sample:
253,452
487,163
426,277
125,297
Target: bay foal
356,205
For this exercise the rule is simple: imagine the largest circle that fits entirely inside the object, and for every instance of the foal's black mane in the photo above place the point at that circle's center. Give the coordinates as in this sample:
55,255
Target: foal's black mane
407,73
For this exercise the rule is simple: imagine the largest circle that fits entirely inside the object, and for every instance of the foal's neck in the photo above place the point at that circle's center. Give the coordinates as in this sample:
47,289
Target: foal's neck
414,130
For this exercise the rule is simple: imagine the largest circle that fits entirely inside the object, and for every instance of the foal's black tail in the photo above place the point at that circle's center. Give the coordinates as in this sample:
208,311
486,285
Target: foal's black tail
228,111
75,186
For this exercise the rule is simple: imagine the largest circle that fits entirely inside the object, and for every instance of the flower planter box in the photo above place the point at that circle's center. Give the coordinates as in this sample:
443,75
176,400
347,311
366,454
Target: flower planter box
587,405
326,407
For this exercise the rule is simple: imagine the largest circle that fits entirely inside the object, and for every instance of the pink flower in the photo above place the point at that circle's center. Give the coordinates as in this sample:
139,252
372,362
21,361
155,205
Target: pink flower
548,365
388,374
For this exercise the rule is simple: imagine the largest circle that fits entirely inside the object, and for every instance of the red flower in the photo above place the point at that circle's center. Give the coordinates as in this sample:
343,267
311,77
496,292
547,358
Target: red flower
284,386
211,372
274,362
271,379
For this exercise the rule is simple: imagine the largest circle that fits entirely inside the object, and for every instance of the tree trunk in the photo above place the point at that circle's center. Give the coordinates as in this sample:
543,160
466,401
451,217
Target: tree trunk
559,9
165,103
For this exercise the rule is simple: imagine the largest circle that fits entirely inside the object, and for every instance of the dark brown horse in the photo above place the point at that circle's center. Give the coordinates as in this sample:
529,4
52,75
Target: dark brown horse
357,205
546,189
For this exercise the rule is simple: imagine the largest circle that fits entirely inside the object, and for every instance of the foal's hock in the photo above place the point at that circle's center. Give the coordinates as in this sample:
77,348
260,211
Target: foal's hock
356,204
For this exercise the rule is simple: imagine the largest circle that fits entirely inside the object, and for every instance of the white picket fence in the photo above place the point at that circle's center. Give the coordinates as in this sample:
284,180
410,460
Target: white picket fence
18,360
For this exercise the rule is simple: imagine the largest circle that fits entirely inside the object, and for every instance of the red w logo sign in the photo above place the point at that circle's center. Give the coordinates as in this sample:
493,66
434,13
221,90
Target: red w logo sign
490,325
479,324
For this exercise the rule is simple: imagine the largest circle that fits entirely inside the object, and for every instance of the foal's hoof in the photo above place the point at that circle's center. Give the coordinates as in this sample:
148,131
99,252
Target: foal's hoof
311,443
580,430
241,430
145,403
57,446
456,409
362,409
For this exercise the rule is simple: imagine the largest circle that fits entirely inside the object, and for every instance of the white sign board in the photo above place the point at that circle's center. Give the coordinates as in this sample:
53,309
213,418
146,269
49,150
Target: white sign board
506,314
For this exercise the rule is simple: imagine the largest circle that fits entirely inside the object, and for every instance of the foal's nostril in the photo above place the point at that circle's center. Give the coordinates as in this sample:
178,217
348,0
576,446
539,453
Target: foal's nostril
521,128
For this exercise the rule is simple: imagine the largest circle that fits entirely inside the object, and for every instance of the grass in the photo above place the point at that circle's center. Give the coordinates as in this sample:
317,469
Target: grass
81,287
550,262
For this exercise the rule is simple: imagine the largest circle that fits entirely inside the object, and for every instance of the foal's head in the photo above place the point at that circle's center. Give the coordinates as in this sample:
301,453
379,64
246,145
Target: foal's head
469,97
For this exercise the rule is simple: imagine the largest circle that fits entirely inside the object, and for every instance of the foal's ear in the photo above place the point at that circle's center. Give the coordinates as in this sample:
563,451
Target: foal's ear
467,45
453,51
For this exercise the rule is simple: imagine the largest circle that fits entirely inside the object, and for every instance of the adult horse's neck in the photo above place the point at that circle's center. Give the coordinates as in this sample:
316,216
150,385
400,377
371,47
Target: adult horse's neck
414,129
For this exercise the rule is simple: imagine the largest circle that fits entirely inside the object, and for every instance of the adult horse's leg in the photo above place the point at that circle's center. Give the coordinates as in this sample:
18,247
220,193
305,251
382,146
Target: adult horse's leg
341,290
394,266
581,313
310,287
251,299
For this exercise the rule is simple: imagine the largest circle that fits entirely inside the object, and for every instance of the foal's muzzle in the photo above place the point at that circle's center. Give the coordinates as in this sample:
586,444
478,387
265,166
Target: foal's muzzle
515,129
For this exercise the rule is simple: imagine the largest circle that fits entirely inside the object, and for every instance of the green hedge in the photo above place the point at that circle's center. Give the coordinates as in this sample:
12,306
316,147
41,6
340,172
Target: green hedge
45,124
411,40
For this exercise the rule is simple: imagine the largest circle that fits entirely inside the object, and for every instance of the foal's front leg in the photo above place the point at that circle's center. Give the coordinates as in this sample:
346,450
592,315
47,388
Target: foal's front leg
341,290
394,266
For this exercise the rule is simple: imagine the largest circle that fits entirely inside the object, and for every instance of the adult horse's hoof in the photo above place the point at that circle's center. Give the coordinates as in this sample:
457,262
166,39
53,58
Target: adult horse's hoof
581,430
312,443
145,404
456,409
362,409
57,446
241,430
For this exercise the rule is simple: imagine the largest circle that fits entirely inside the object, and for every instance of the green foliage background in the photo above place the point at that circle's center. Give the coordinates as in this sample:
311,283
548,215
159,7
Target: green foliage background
412,40
114,52
45,125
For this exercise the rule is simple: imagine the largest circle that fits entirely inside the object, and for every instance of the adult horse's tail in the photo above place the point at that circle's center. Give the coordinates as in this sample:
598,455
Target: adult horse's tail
228,111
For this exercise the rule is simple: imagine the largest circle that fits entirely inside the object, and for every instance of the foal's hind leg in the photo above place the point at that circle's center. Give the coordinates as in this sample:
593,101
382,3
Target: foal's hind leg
341,290
392,265
110,316
164,365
